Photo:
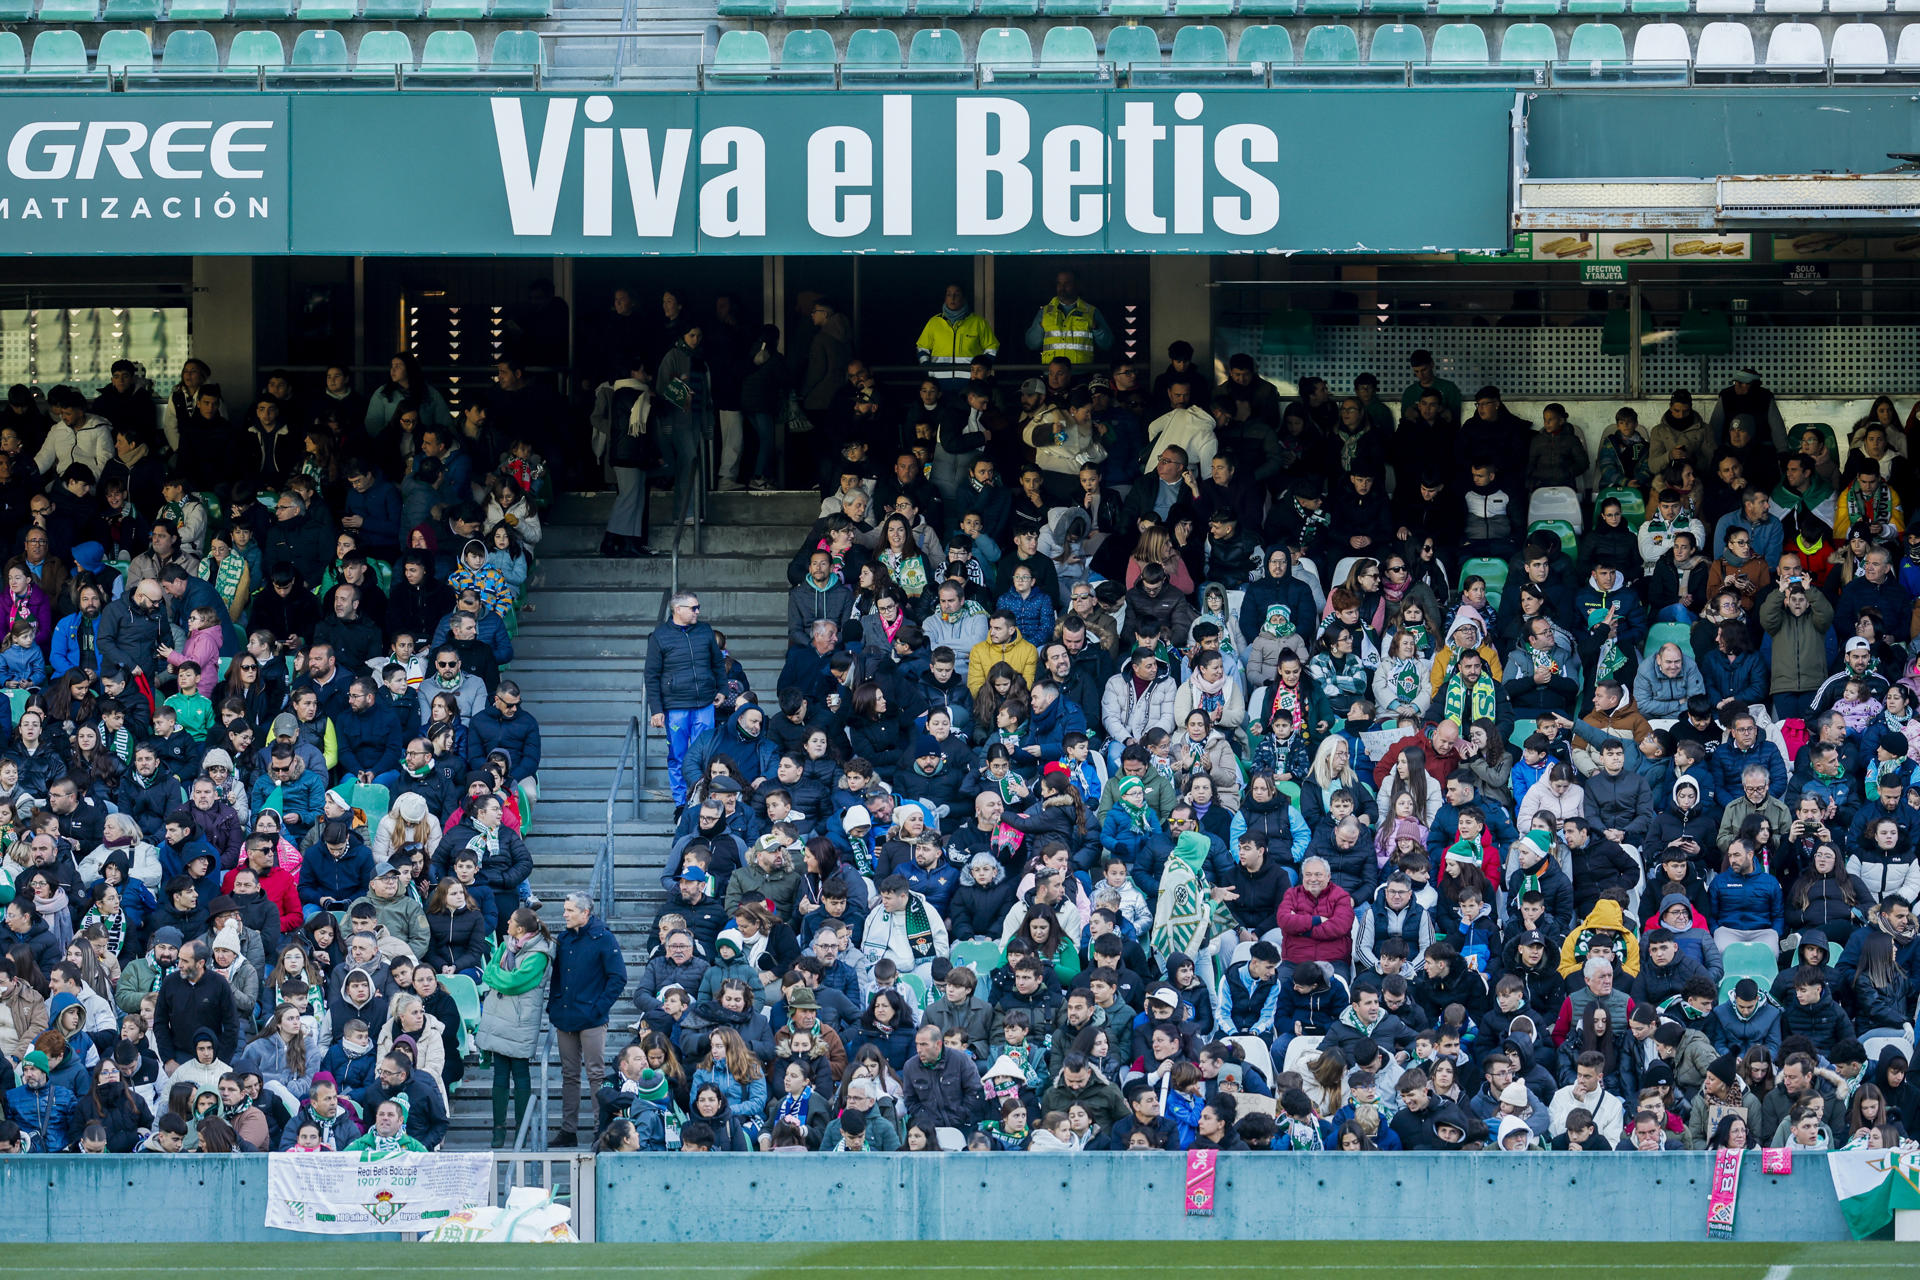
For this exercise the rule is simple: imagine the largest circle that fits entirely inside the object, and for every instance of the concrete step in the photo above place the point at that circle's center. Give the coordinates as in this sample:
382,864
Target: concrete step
704,575
640,607
786,507
581,540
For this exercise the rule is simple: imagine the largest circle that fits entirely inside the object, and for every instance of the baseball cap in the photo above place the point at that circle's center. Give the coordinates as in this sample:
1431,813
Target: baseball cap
691,872
1859,644
1164,995
1033,387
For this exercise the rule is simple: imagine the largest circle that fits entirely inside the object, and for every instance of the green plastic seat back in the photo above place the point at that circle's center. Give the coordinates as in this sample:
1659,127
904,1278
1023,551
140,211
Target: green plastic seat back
1004,47
1133,46
936,47
124,51
1203,46
1529,42
60,51
517,49
1460,42
743,49
256,49
1597,42
874,47
1069,44
451,51
807,47
1272,45
1334,43
384,49
13,54
1403,43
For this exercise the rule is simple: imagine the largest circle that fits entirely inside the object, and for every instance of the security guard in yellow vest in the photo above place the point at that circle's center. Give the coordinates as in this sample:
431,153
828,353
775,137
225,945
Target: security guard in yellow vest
1068,325
951,340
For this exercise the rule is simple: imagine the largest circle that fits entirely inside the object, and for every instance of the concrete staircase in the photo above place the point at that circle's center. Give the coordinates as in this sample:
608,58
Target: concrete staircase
580,660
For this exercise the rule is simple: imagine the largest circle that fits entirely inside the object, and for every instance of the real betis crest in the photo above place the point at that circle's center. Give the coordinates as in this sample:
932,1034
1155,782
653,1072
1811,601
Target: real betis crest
384,1207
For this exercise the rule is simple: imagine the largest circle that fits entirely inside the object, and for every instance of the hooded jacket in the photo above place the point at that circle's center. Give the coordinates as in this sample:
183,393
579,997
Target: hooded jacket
1604,918
1661,696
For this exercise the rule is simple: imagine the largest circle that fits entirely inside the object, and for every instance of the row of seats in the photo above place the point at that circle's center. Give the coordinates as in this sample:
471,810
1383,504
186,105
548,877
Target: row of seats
814,10
65,52
1723,46
54,11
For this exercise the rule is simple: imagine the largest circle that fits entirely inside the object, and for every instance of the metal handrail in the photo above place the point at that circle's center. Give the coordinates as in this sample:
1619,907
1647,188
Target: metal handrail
601,887
537,1105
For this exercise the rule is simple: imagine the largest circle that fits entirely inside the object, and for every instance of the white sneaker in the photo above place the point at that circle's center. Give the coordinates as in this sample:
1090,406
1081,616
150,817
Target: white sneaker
727,486
759,484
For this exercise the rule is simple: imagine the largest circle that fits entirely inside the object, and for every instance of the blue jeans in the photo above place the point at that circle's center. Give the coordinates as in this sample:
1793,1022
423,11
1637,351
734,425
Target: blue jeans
762,445
682,728
1676,613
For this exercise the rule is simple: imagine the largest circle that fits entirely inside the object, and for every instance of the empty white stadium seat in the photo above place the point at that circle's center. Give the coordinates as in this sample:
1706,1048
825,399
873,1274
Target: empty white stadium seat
1795,44
1724,45
1907,52
1857,6
1859,44
1661,42
1724,6
1793,6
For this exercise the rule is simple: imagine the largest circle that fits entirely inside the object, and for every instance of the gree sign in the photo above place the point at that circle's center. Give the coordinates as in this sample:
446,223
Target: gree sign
125,173
1223,170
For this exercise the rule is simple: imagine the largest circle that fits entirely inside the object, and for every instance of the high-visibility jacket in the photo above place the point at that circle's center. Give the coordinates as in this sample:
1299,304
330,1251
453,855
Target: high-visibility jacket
1067,331
948,349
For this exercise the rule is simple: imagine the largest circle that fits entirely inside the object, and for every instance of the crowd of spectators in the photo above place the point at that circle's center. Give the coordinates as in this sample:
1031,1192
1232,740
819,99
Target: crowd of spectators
1170,762
263,780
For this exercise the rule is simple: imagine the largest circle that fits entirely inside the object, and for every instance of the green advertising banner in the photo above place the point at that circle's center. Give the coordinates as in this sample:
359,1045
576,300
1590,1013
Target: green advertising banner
1227,170
160,174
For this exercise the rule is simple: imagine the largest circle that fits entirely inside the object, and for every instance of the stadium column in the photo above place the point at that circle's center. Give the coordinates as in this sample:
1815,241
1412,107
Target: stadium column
1180,305
223,318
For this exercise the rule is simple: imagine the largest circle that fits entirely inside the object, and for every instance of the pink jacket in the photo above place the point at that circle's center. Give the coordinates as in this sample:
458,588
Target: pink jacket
203,647
1331,939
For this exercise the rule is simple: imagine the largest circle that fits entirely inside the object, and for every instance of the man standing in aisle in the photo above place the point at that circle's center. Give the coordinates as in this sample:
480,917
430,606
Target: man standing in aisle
589,974
1068,325
954,338
685,673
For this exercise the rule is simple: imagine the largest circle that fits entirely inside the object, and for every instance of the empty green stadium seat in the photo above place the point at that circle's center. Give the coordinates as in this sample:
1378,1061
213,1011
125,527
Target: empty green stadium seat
1268,8
1330,8
1071,8
453,10
1202,9
325,10
13,55
1529,42
523,9
190,51
315,51
1384,8
936,47
69,10
384,49
807,48
1464,6
1137,8
1530,8
262,10
251,49
812,8
513,49
1661,6
1133,46
747,8
124,51
1596,6
941,9
873,47
196,11
133,10
1460,42
1272,45
1004,47
60,51
1009,8
1331,44
450,51
1401,43
16,11
393,10
1069,45
743,51
877,9
1203,46
1597,42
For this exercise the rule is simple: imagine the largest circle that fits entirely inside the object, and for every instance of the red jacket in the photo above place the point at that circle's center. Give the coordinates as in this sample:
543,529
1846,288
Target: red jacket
282,889
1330,939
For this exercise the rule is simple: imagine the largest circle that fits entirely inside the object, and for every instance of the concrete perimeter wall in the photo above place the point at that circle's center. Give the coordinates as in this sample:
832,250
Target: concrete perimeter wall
1091,1196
